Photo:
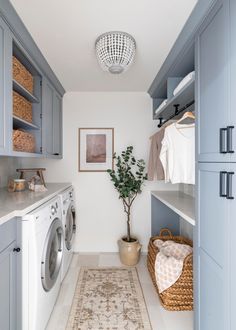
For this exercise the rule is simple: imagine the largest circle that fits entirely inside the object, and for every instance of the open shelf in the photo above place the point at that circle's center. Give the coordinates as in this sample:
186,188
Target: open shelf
35,99
179,202
184,96
21,123
21,90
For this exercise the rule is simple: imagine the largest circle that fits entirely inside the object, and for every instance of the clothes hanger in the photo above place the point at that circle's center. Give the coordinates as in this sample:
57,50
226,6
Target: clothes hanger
187,119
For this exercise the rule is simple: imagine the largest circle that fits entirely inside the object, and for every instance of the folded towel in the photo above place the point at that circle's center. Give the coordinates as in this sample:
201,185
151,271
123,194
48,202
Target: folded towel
184,82
169,262
161,106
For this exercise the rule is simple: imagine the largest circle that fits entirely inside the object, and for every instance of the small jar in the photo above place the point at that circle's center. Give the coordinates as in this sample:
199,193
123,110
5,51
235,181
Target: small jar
19,184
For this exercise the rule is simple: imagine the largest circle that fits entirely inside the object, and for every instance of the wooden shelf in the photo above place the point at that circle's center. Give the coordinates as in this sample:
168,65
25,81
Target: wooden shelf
184,96
20,123
22,91
180,203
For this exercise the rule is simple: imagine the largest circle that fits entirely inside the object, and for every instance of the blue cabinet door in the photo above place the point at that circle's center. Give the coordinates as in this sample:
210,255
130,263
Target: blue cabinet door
47,123
216,137
57,125
233,74
8,288
215,233
5,88
232,249
52,121
10,292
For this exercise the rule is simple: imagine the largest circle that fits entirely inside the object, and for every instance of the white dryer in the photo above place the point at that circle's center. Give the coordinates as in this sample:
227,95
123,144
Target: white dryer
42,250
69,228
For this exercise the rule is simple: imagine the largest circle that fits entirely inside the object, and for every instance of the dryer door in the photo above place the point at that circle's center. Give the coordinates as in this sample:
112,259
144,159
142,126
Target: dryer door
52,255
70,226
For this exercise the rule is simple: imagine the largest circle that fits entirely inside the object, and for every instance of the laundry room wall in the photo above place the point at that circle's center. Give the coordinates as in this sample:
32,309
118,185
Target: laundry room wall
101,220
8,167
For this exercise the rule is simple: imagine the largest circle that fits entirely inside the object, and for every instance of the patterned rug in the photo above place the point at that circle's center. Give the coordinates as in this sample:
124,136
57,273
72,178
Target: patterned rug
108,299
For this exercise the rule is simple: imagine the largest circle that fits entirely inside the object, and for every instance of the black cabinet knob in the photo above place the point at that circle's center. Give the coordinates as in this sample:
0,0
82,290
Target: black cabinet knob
16,249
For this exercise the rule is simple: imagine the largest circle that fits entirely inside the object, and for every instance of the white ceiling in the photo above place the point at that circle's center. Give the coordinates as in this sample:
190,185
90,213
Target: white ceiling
65,31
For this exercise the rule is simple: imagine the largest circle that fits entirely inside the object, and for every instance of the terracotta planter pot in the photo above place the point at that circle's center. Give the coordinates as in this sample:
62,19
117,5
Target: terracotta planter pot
129,251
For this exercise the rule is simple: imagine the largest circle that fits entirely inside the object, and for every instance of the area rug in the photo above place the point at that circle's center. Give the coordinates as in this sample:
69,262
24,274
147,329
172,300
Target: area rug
108,299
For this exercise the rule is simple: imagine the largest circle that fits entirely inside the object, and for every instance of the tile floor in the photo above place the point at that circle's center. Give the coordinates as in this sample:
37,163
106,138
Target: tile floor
160,318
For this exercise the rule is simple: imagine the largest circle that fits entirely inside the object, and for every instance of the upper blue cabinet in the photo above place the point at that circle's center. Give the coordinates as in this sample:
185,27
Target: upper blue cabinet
30,118
52,121
216,82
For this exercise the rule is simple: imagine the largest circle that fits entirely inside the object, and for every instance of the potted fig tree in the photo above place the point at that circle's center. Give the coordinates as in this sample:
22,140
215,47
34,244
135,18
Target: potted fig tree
128,178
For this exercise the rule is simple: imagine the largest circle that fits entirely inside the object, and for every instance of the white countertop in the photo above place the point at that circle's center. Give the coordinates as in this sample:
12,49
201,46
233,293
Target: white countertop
18,204
180,203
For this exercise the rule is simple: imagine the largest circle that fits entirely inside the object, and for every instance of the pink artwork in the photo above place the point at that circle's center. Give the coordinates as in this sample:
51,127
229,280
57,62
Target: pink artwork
96,148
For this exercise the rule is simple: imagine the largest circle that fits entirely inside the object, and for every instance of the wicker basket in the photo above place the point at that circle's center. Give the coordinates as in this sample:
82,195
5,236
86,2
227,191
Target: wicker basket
23,141
22,75
22,108
178,297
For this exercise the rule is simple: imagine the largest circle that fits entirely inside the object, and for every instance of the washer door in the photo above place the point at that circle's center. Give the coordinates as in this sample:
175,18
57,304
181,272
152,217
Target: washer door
70,226
52,255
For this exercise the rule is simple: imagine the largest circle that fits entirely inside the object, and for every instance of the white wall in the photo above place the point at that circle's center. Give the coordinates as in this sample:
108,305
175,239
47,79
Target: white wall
101,220
8,166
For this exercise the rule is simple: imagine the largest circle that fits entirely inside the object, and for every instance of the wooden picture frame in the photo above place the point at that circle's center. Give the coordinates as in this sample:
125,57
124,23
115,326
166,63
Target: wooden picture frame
96,149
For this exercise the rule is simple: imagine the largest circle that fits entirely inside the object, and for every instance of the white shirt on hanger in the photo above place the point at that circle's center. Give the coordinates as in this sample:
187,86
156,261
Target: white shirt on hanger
178,153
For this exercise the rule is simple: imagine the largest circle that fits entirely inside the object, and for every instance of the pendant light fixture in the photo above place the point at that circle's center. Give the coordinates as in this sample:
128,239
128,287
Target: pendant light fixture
115,51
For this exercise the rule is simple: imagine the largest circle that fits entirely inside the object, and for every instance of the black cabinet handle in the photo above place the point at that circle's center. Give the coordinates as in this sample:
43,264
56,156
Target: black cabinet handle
223,140
16,249
230,139
229,185
223,184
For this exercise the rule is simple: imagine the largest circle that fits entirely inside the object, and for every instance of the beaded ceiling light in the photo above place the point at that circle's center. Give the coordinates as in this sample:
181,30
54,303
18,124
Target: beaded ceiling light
115,51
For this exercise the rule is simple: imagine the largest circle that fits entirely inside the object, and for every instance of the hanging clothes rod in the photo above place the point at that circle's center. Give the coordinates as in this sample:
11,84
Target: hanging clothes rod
177,112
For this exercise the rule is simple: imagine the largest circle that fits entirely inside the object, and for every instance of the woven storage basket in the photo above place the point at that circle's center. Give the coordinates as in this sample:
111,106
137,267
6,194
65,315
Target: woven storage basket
178,297
23,141
22,108
22,75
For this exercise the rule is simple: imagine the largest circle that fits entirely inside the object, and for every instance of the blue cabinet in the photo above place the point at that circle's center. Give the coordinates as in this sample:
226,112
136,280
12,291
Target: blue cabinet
57,125
5,88
216,181
9,273
214,237
215,113
16,40
52,121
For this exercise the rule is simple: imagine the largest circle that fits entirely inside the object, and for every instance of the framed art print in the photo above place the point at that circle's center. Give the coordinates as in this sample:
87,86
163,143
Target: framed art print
96,148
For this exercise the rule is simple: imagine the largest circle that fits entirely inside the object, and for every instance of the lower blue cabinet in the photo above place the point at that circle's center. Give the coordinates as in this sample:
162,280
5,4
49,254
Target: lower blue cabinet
9,255
214,247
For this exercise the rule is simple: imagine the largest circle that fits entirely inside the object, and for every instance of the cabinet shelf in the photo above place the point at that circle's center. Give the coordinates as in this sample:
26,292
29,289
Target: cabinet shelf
21,90
20,123
182,98
180,203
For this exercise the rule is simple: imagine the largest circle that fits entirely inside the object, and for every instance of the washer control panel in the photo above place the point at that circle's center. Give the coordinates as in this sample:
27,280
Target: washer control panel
53,209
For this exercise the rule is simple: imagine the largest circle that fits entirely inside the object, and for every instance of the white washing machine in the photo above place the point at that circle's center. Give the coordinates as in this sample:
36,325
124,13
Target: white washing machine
42,250
69,228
